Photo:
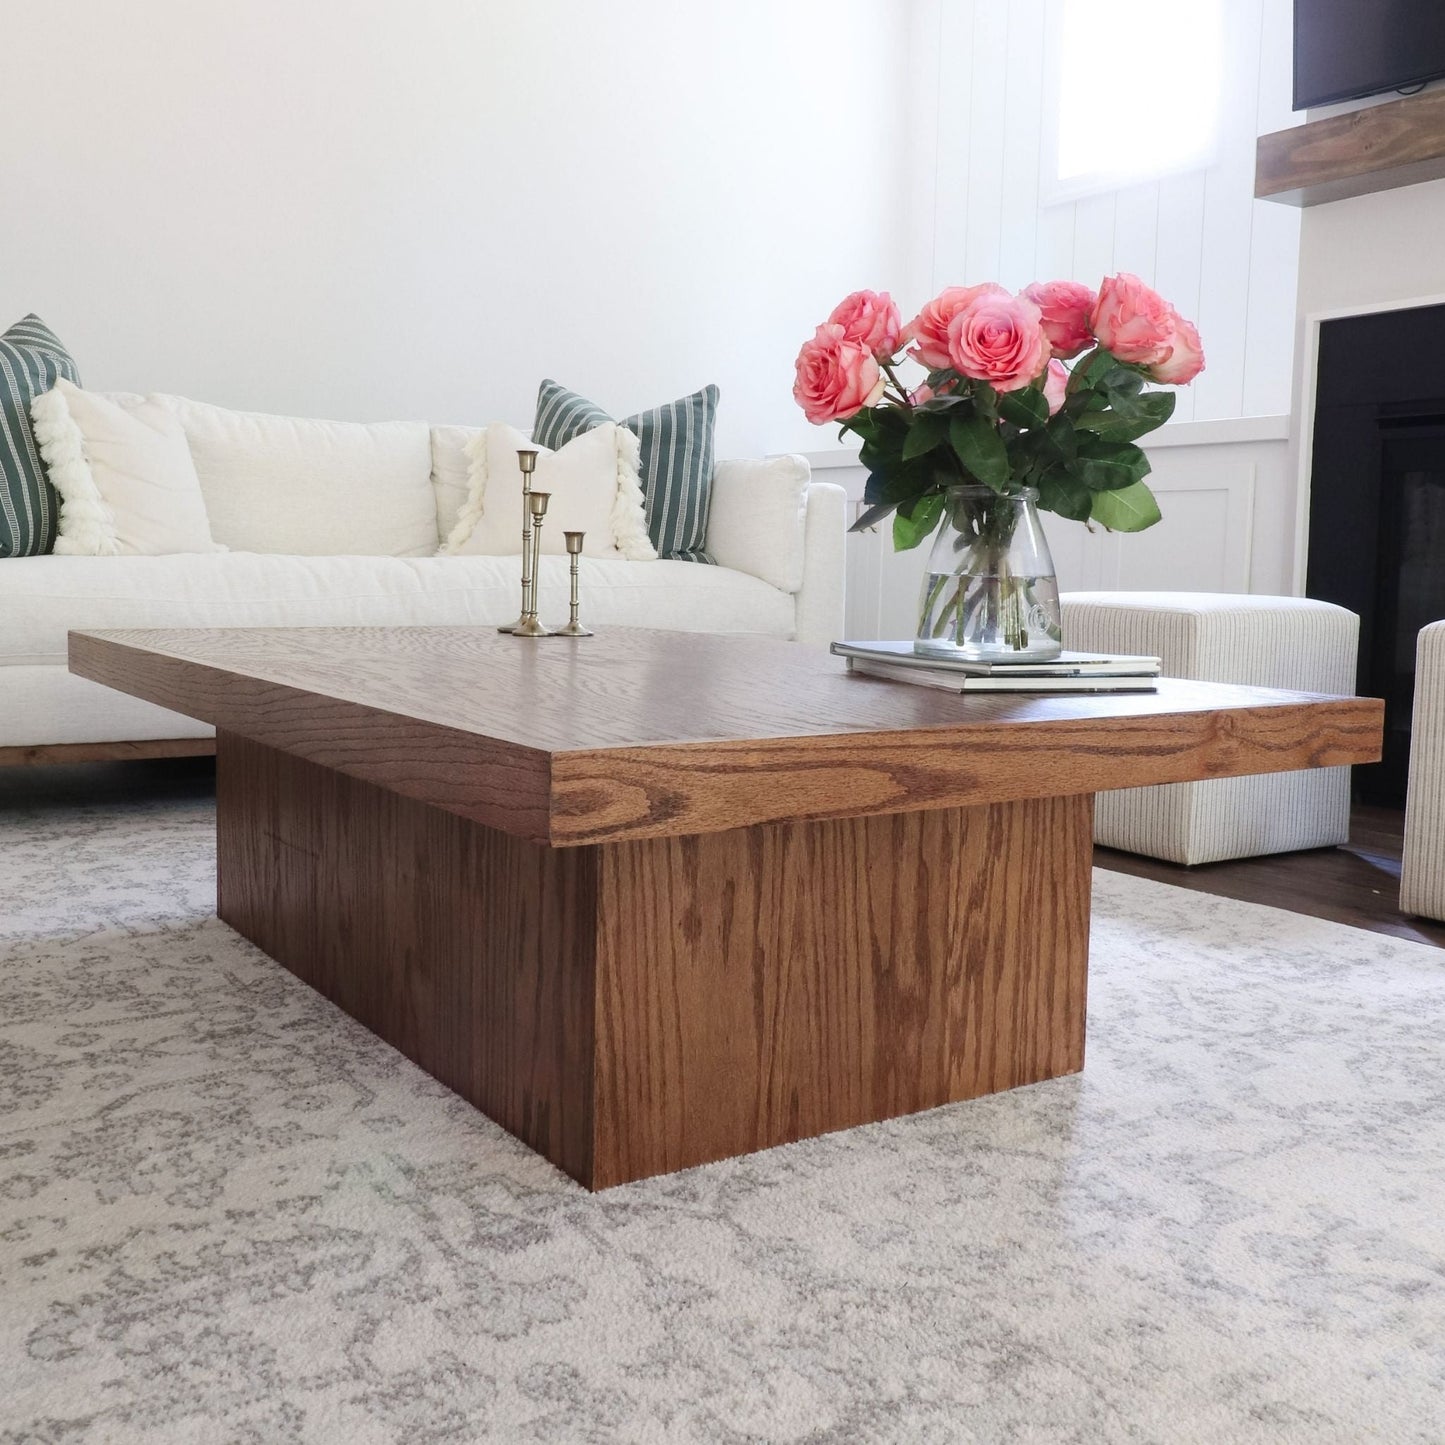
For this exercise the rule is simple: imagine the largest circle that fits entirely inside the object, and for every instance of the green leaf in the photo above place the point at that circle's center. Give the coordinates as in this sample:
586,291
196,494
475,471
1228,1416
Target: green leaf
872,516
1135,417
1024,408
1062,492
893,483
1130,509
986,399
979,447
1120,381
941,403
1109,466
909,531
1060,440
928,430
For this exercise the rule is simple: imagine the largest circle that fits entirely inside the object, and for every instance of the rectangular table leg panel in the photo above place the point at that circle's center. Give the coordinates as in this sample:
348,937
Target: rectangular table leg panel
772,983
468,950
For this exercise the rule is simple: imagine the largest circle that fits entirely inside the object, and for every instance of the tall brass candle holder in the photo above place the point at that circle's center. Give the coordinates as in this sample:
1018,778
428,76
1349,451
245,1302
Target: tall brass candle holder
527,461
536,511
574,551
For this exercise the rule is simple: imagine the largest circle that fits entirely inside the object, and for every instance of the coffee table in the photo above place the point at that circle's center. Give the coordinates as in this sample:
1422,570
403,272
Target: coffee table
650,899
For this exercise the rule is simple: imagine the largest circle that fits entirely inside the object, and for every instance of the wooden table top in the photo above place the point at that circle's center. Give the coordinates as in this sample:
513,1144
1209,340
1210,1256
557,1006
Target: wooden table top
639,733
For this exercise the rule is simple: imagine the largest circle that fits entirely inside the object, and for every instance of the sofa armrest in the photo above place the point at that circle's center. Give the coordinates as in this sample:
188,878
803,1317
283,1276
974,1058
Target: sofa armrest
757,520
820,598
1422,878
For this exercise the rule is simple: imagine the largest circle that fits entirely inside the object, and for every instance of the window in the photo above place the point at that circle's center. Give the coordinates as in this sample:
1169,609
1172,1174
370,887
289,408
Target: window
1136,88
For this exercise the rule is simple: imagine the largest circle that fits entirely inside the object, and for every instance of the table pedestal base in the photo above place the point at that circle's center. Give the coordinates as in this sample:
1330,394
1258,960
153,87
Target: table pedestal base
633,1008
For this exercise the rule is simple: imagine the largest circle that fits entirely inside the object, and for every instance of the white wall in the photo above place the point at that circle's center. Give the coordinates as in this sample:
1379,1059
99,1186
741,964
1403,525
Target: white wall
982,72
1222,469
366,209
1373,251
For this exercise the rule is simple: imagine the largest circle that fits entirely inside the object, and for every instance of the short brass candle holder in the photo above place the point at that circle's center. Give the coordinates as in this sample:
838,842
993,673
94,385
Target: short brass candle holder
527,461
536,511
574,552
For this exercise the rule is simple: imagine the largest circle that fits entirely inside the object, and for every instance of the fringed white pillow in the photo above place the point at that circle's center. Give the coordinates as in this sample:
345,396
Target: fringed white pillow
594,486
127,484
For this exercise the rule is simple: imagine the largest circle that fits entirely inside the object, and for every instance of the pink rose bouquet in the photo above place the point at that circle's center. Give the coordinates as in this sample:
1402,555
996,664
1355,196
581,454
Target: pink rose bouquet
998,406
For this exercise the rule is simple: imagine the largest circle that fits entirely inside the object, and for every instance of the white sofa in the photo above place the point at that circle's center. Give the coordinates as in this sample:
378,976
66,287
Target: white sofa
777,538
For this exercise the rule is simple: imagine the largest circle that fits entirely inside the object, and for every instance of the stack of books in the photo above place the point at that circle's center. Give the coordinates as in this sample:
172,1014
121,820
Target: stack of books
1069,672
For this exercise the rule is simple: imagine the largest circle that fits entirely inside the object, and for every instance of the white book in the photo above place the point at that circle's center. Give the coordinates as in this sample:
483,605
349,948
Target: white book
1067,664
963,682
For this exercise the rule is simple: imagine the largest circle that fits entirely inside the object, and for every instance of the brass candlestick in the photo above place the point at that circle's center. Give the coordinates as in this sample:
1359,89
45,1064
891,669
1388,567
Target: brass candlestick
574,551
527,461
536,510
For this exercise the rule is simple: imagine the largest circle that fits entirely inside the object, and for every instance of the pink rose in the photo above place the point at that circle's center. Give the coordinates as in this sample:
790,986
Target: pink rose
1056,381
1186,355
1133,321
929,329
1066,306
870,320
836,377
999,339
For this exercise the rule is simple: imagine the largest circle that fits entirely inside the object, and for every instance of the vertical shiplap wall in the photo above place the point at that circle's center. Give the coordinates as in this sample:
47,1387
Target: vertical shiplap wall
980,93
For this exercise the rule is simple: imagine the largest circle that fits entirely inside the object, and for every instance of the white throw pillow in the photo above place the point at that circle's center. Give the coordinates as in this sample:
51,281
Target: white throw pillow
594,486
312,488
451,472
759,517
127,484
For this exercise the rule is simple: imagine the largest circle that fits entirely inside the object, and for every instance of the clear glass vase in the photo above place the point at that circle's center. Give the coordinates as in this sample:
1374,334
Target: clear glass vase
990,594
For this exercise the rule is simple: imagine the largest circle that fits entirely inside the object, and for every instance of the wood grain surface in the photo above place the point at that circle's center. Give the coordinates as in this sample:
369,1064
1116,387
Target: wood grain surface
639,734
1399,143
631,1009
46,753
469,950
768,984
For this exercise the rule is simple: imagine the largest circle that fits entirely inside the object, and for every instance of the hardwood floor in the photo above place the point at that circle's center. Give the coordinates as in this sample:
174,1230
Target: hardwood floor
1357,884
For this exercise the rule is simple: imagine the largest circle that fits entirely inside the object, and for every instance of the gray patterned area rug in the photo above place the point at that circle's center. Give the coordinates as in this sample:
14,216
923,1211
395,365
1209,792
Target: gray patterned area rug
227,1213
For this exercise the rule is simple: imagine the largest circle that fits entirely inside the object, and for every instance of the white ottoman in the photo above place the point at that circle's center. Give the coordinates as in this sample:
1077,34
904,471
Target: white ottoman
1422,880
1287,642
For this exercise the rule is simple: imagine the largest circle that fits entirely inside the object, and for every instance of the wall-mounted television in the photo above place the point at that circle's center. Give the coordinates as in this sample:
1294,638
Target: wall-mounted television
1348,48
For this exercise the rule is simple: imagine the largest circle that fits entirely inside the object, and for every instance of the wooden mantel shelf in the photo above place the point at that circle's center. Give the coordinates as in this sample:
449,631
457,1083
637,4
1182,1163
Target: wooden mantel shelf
1380,148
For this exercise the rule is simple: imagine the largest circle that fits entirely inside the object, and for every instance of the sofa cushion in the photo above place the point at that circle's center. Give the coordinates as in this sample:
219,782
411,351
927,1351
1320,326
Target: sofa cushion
676,459
42,598
312,488
32,360
127,484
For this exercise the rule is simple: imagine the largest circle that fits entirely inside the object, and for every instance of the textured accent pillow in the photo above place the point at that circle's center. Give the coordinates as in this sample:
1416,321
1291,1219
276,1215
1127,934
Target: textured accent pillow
32,360
593,484
127,484
676,462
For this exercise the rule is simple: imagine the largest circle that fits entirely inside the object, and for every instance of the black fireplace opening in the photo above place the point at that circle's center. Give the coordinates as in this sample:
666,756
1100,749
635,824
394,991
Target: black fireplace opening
1377,507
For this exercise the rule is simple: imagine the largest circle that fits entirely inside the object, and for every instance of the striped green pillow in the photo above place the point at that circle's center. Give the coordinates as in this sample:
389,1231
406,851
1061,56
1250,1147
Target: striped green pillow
676,459
32,360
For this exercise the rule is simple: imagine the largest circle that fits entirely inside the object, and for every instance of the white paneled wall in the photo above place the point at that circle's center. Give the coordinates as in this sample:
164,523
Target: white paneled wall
983,74
981,98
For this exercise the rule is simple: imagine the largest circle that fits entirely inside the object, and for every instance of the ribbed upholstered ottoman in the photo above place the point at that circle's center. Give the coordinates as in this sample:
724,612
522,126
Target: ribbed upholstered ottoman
1422,883
1286,642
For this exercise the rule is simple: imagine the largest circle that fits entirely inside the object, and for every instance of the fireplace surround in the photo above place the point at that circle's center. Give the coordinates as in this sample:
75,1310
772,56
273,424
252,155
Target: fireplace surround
1377,505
